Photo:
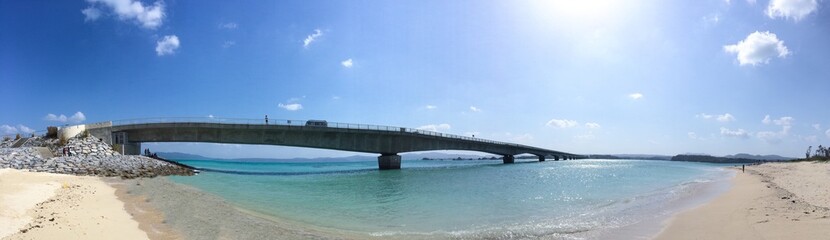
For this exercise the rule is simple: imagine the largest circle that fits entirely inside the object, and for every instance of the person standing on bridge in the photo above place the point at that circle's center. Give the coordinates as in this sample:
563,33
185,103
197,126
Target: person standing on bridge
266,119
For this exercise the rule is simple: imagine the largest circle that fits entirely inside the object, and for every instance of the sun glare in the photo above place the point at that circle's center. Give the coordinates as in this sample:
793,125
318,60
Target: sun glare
586,13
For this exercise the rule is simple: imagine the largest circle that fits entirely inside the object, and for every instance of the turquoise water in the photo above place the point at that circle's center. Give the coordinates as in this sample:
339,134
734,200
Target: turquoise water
475,199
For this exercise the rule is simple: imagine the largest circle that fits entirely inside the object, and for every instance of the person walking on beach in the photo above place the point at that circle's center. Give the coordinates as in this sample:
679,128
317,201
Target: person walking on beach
743,168
266,119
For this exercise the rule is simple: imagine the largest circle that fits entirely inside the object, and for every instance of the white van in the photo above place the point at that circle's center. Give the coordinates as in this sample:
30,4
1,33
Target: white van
316,123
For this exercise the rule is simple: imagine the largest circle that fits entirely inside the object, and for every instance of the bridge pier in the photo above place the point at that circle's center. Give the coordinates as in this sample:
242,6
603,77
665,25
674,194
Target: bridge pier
541,158
132,148
508,159
555,157
388,161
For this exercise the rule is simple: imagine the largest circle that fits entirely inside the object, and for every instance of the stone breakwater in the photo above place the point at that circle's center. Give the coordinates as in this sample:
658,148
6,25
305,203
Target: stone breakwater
88,146
92,158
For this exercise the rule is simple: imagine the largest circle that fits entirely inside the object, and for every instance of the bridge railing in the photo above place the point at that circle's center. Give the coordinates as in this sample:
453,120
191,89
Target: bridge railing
302,123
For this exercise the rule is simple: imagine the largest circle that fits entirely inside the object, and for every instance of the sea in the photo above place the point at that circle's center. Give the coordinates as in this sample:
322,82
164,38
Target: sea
467,199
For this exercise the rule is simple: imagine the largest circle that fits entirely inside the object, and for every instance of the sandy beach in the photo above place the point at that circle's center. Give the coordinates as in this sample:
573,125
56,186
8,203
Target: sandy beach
56,206
768,201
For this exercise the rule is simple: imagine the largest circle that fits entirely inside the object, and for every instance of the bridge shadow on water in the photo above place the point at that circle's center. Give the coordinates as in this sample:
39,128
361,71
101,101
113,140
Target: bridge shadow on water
366,170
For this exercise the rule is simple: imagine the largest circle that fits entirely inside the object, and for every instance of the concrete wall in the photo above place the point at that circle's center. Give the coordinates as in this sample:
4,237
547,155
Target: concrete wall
67,132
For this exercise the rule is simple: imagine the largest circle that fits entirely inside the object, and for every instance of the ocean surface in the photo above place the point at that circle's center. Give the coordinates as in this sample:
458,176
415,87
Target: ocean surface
469,198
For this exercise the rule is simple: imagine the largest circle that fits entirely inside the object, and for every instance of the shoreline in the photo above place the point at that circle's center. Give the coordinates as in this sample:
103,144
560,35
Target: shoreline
694,194
768,201
172,211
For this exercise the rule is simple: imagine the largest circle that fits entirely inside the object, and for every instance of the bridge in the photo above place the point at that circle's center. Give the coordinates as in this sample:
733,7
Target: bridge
127,136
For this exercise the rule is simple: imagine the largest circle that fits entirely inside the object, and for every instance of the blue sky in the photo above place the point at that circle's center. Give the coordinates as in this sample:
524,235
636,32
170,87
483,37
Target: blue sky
595,76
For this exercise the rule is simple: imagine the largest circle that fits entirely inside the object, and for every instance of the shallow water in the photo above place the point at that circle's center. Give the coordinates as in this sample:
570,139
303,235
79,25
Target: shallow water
464,199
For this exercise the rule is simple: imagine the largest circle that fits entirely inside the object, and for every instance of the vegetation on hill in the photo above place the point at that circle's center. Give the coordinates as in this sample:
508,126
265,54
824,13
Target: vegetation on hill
712,159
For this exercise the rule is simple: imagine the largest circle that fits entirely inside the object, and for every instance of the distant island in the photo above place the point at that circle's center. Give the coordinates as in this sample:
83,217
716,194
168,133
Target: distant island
737,158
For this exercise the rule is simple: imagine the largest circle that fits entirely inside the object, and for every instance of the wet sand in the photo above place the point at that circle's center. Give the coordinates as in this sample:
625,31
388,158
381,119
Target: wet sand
768,201
169,210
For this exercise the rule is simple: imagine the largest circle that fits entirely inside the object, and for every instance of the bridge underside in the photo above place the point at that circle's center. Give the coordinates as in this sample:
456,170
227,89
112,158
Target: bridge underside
387,143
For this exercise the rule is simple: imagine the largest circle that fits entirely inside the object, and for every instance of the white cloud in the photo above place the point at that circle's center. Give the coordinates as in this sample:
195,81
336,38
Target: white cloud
228,25
562,123
291,106
335,97
149,16
77,117
817,126
347,63
795,9
592,125
210,116
694,135
310,38
785,121
704,116
740,133
226,44
167,45
758,48
776,137
435,128
6,129
751,2
55,118
431,107
769,136
91,13
635,96
24,129
827,133
712,19
475,109
725,118
811,138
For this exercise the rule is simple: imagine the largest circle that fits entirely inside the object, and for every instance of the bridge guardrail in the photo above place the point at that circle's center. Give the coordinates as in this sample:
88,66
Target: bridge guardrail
302,123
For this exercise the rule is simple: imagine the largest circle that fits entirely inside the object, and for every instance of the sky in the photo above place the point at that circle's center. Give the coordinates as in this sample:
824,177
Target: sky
593,76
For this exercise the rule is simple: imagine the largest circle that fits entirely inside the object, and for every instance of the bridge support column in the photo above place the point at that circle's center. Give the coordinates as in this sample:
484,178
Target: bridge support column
131,148
389,161
508,158
555,157
541,158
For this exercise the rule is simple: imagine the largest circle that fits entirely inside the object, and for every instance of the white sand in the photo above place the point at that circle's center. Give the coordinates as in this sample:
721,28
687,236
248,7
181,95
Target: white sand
769,201
57,206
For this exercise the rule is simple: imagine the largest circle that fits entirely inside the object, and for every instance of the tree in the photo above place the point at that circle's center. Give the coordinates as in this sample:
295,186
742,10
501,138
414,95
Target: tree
809,149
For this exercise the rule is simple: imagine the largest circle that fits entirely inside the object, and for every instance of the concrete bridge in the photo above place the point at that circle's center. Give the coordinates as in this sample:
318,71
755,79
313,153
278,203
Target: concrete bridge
384,140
